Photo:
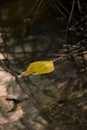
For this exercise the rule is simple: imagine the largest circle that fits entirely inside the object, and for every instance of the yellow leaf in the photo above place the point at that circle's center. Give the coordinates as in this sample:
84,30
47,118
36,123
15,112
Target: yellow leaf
39,67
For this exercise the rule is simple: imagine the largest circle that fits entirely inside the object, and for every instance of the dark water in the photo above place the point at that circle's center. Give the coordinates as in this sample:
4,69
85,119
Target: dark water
31,30
37,30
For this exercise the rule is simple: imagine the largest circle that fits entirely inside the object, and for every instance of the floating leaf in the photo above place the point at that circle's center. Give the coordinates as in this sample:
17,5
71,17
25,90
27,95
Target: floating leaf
39,67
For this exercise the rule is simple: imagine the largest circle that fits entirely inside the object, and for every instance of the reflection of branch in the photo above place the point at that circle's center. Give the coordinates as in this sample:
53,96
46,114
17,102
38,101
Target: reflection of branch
41,1
78,2
76,53
61,12
70,17
62,6
75,26
33,10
